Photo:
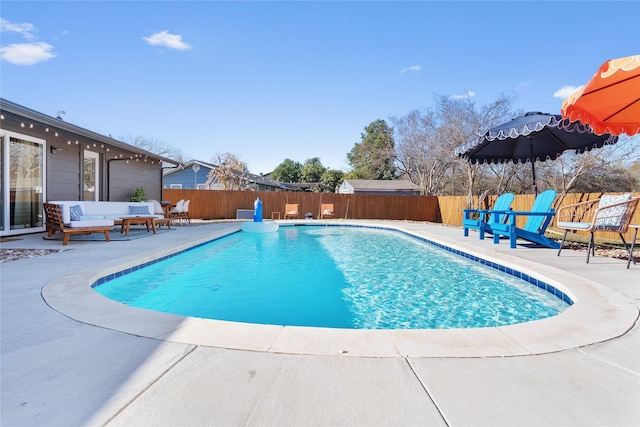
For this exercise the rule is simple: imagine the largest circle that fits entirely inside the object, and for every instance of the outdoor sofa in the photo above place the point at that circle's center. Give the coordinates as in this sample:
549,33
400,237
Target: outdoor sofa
95,214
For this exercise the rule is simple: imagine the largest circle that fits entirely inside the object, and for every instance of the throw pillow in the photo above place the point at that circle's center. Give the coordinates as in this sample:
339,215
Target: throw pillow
75,212
139,210
157,207
611,219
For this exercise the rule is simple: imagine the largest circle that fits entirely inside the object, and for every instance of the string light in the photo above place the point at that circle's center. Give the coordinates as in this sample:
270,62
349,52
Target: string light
107,149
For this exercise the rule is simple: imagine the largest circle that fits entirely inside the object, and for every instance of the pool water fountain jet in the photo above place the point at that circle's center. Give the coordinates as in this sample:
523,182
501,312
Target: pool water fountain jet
257,225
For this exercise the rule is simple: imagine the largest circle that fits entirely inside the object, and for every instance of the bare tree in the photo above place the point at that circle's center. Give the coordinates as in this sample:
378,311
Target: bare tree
155,146
426,143
230,172
598,170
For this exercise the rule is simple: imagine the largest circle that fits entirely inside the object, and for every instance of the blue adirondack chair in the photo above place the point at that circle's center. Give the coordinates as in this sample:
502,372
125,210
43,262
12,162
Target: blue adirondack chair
485,216
540,217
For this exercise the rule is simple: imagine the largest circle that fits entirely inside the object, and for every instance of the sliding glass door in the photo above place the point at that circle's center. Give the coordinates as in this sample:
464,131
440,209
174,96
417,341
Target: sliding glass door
23,184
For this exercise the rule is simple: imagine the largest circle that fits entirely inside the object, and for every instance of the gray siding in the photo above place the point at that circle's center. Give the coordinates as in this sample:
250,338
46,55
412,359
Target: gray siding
186,177
125,177
63,176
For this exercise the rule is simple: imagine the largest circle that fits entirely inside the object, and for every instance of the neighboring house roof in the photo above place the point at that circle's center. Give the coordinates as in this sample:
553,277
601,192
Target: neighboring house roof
27,113
188,165
382,185
304,186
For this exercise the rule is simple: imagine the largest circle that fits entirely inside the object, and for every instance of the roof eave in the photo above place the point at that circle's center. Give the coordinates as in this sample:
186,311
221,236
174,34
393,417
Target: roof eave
28,113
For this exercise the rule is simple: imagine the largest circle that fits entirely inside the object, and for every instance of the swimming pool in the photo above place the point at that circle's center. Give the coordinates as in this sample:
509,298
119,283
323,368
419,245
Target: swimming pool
339,277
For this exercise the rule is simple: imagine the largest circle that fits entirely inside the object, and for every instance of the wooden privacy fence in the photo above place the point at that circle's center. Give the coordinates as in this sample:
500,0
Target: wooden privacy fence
210,204
213,204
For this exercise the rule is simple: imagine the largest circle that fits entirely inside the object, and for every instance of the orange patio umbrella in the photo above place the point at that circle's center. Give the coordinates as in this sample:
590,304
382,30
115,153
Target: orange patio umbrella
610,102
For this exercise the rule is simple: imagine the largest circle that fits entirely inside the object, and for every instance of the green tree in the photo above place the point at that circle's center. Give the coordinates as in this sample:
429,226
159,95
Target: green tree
333,178
287,171
373,158
312,170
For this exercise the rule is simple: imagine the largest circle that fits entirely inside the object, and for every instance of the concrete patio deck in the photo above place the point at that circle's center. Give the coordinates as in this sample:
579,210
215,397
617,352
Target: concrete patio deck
70,357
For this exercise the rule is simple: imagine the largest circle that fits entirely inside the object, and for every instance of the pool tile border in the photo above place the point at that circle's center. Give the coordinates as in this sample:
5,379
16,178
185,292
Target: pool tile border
504,269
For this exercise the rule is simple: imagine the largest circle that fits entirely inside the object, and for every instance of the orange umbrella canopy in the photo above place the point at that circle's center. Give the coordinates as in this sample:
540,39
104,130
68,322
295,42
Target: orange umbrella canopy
610,102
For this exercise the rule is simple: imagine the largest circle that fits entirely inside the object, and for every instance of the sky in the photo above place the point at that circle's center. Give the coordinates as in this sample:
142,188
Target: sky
267,81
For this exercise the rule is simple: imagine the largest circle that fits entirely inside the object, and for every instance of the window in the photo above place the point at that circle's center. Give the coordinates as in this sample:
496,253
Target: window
176,186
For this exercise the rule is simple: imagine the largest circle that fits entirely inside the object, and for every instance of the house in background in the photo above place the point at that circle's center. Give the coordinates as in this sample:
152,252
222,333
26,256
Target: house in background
45,158
371,186
195,174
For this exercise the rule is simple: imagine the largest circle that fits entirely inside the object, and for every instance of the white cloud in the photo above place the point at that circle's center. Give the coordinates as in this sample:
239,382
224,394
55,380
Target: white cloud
25,29
468,94
27,53
413,68
522,85
566,91
163,38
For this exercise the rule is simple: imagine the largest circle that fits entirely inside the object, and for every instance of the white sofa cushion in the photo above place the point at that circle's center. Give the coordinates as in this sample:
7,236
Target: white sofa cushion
95,211
157,207
91,223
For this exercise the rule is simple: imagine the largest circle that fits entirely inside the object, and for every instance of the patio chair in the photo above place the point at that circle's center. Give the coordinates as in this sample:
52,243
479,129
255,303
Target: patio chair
54,222
291,211
158,209
326,211
176,212
609,213
538,220
185,212
485,217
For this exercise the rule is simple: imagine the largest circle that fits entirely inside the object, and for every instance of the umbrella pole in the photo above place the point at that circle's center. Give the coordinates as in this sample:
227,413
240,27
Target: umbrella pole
533,166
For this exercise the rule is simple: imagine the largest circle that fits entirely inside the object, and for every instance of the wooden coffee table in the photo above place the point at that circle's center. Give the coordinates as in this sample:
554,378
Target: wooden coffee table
128,220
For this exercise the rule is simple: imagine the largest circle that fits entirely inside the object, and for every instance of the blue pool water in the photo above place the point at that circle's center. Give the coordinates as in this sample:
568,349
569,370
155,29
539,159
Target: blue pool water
332,276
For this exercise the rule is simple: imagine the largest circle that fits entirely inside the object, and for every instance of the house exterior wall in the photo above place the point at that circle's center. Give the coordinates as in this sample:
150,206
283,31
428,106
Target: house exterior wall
118,179
125,177
187,178
345,188
64,151
375,187
63,175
